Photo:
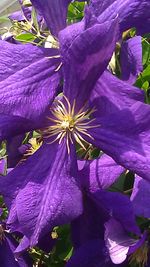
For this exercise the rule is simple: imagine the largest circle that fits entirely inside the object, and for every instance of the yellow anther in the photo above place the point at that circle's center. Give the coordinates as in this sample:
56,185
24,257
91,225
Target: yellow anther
68,124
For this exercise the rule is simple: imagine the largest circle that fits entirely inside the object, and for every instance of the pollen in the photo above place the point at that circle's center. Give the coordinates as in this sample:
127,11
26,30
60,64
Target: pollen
68,124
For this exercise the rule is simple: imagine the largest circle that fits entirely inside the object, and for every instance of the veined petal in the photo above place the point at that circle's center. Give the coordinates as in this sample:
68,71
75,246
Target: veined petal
54,13
131,59
28,79
141,197
130,13
111,94
124,135
86,57
100,173
43,197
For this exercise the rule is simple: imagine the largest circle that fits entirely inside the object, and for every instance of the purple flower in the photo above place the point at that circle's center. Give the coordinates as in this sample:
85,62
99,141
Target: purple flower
106,112
51,194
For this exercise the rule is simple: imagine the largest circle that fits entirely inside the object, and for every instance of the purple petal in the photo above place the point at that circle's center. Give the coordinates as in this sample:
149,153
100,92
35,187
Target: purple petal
130,13
14,125
28,79
124,135
54,13
90,224
91,254
111,94
86,57
138,244
141,197
44,197
26,11
7,257
100,173
131,59
117,241
117,206
21,15
46,243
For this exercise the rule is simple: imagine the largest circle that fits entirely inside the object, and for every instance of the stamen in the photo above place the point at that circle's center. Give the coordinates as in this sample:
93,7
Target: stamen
140,256
68,124
2,235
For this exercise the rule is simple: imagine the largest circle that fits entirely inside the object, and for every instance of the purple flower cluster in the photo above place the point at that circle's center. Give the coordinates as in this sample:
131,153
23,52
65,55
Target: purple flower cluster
70,97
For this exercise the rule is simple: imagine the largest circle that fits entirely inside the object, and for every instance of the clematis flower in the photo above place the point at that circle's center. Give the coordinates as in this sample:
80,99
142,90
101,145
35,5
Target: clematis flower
46,190
56,182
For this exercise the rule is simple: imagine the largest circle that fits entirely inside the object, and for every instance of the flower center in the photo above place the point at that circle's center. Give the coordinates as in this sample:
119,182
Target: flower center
66,123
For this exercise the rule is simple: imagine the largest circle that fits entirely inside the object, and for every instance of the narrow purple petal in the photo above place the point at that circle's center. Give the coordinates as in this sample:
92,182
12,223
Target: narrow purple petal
28,79
41,198
100,173
54,13
124,135
86,57
138,244
141,197
131,59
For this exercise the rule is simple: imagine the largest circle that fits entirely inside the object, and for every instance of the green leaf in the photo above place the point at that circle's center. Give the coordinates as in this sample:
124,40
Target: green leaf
146,52
25,37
